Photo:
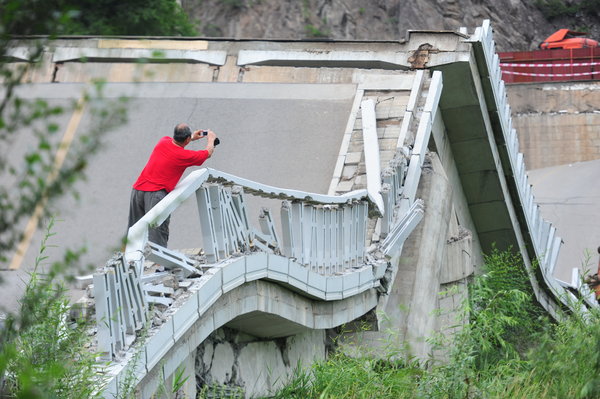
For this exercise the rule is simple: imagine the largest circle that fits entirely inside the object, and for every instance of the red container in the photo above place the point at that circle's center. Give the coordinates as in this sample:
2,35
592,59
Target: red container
550,65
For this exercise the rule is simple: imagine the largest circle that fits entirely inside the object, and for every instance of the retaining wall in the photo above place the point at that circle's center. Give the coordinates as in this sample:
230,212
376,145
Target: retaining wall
557,123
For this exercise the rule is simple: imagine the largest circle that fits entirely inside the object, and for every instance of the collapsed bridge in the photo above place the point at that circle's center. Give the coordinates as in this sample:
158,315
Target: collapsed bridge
428,177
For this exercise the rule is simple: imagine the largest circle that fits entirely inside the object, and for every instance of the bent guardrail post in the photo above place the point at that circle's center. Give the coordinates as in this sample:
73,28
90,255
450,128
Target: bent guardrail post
120,307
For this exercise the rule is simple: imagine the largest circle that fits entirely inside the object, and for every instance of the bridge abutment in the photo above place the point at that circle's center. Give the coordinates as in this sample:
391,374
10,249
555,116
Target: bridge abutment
426,295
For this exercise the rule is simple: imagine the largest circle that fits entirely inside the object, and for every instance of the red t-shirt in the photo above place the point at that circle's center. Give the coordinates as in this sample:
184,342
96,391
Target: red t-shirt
167,163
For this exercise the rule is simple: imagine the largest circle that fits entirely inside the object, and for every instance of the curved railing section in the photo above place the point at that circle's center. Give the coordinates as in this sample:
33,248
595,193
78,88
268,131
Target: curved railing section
226,229
320,251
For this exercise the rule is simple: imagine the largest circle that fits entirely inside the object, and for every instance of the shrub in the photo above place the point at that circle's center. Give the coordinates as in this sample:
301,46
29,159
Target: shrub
43,354
509,349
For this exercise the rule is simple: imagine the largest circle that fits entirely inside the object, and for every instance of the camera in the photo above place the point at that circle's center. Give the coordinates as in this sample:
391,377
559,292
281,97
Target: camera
205,132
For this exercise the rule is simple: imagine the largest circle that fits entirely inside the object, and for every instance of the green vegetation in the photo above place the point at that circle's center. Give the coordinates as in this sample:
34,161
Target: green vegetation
95,17
43,354
220,391
509,349
561,8
313,31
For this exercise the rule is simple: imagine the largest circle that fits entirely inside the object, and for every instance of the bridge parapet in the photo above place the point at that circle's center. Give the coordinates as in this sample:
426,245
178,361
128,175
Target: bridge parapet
542,241
321,251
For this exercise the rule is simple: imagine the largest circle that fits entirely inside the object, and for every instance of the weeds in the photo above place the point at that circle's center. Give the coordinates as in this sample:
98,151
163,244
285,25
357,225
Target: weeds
313,31
43,354
509,349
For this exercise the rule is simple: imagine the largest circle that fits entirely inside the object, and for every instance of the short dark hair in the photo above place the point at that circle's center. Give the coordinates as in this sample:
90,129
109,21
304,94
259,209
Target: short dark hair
182,132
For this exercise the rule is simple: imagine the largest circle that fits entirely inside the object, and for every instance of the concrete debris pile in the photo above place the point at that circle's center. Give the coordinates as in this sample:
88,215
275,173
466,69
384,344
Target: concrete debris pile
161,286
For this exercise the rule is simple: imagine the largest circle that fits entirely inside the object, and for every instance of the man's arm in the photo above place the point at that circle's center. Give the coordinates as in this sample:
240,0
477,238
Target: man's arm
211,136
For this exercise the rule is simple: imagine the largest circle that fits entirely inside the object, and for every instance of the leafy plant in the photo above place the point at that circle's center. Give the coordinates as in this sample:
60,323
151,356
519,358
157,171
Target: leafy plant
560,8
97,17
175,390
509,349
43,354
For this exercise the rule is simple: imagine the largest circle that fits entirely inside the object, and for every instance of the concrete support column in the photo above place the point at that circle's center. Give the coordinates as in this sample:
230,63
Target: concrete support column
414,296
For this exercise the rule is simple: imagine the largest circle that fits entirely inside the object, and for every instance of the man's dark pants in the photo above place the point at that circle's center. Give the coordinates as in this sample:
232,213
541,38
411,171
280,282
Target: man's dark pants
141,202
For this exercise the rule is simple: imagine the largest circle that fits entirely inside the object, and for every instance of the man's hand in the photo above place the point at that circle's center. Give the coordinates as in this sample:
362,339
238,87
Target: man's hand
211,135
197,135
210,145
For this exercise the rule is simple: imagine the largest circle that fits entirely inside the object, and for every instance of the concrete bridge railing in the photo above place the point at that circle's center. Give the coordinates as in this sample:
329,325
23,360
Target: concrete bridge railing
541,238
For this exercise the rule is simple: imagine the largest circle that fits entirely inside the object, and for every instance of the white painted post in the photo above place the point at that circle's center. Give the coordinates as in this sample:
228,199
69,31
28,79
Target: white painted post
320,239
371,149
298,231
307,230
287,236
215,204
207,225
241,215
103,317
327,239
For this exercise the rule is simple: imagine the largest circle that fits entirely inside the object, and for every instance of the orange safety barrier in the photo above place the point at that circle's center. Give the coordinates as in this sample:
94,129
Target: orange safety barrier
550,65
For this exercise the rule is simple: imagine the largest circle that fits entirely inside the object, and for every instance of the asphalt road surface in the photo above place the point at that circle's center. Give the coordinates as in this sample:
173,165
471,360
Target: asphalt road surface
285,135
569,198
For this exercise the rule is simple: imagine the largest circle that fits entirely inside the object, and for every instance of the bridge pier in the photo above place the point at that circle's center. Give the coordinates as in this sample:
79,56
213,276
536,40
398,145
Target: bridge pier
413,301
436,259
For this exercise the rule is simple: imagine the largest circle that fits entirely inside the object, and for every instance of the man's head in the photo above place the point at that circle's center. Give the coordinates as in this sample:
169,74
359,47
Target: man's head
182,133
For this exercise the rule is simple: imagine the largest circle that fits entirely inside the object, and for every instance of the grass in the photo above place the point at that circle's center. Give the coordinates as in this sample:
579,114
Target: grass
509,349
313,31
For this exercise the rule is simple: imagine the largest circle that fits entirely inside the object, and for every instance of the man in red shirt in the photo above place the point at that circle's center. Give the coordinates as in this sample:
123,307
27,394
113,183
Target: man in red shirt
168,161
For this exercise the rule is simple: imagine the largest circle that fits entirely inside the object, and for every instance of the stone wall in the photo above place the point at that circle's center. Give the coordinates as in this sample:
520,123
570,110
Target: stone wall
557,123
240,364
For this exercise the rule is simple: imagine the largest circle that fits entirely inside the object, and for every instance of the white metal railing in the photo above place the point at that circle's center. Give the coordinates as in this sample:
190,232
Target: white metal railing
225,223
